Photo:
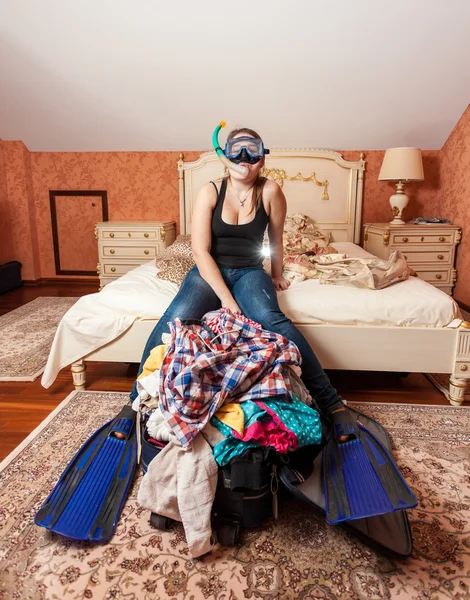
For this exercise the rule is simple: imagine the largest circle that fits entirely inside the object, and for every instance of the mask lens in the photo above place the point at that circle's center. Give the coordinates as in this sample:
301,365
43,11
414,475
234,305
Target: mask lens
251,147
236,148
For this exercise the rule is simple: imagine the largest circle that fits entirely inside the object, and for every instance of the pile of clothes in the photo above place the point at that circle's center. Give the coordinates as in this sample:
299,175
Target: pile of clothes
369,273
308,255
212,390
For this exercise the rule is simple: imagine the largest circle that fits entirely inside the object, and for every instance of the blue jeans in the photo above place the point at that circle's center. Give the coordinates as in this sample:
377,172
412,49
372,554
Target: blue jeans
255,294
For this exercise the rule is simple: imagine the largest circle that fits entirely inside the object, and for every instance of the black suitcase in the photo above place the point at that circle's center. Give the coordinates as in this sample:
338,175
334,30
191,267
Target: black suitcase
10,276
244,493
246,501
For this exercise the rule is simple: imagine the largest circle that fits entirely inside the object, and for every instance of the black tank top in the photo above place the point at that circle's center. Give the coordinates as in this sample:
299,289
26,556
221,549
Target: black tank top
237,246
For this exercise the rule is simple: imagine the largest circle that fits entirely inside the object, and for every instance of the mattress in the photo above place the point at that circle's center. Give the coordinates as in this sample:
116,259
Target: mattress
97,319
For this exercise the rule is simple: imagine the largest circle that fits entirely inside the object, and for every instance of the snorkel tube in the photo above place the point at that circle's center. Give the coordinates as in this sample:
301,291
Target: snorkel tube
220,153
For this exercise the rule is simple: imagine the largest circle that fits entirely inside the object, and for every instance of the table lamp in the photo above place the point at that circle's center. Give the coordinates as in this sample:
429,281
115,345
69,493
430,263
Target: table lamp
401,165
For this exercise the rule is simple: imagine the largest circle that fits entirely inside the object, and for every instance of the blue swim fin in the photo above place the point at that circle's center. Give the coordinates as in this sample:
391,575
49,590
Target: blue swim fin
88,498
360,477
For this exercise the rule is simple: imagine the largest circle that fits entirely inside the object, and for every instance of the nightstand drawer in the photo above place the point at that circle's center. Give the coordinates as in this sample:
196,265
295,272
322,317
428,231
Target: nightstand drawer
124,245
435,276
116,270
429,250
142,252
133,234
425,256
445,238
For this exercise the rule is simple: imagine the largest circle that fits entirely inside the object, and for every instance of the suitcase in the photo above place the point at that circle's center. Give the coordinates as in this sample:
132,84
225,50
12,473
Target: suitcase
243,501
10,276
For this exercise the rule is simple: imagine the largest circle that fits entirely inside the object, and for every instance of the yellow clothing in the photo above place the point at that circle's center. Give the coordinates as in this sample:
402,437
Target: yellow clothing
154,361
232,415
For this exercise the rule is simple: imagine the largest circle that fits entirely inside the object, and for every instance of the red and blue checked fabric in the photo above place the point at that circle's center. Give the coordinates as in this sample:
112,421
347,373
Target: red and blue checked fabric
202,370
214,321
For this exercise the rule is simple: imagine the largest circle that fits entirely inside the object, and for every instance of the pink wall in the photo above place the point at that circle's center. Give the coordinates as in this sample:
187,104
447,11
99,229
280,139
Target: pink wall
141,186
376,207
144,186
18,214
452,199
6,242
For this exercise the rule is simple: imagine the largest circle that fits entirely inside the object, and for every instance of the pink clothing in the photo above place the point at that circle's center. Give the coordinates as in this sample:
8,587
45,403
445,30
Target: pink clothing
271,432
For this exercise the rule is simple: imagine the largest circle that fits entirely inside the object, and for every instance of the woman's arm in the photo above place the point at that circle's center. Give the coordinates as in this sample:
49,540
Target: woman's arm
277,215
201,240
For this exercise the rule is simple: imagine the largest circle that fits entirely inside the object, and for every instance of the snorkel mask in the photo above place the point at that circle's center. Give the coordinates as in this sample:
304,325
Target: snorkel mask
245,149
240,149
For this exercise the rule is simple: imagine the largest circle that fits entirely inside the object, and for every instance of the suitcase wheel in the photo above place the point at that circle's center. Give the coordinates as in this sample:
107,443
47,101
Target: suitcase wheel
160,522
228,533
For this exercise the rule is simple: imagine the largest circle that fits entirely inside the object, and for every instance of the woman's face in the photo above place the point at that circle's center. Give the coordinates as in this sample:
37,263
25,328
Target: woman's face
253,170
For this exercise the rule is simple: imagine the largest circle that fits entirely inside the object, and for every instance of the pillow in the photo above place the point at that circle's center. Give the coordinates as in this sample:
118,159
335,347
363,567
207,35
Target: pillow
176,260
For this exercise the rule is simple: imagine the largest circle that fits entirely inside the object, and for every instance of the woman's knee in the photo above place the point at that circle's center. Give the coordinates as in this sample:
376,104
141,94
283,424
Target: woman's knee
268,318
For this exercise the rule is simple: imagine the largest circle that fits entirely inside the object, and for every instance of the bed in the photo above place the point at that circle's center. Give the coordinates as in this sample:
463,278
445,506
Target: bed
408,327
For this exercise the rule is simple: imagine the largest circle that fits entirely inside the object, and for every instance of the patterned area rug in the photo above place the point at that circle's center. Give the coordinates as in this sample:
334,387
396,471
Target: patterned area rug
297,557
26,336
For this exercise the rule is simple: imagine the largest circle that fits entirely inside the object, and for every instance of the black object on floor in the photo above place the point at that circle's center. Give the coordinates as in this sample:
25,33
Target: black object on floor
10,276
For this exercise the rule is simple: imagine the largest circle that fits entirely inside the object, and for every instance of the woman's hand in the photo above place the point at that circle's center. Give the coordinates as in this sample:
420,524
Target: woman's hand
280,283
232,305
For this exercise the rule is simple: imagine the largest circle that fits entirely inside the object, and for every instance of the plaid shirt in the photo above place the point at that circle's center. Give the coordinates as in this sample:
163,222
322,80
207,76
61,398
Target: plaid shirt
202,370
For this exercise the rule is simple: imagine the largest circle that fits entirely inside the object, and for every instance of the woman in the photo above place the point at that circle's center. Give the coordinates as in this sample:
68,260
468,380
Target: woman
230,217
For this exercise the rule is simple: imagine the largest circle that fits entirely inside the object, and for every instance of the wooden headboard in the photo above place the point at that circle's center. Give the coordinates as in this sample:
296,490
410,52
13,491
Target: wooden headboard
317,183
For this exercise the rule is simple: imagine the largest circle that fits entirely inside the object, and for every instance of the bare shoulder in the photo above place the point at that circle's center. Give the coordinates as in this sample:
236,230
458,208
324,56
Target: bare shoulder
271,188
207,195
273,196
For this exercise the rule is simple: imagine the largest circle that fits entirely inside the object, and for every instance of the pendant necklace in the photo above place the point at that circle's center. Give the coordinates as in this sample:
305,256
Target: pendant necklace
242,202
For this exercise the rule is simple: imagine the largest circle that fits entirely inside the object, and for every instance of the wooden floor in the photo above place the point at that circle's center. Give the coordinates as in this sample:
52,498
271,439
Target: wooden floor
24,405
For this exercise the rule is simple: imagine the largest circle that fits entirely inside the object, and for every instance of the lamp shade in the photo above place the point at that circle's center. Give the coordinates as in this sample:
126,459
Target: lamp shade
402,164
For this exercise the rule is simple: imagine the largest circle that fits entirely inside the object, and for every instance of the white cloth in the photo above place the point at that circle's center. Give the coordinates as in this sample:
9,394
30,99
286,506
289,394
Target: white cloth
158,428
97,319
149,384
180,484
102,317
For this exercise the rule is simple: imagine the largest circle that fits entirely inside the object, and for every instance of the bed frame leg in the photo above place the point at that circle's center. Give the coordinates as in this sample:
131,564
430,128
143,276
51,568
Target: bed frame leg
79,374
457,389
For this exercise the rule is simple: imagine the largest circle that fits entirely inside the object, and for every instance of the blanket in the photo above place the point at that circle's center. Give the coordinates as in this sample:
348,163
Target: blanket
370,273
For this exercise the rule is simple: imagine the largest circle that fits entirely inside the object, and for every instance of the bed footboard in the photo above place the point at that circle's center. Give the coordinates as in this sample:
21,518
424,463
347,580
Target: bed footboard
461,371
348,347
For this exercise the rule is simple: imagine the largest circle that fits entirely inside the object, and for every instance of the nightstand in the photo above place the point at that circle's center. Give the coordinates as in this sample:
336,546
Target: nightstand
124,245
428,249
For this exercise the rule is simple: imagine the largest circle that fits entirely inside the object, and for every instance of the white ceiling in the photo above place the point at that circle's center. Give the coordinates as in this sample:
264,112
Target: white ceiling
148,75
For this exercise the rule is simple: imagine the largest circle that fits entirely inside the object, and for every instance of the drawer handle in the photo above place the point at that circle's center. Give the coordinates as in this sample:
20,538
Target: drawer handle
113,269
442,239
111,251
111,234
146,251
438,276
463,368
146,235
404,239
440,256
129,234
422,239
405,257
